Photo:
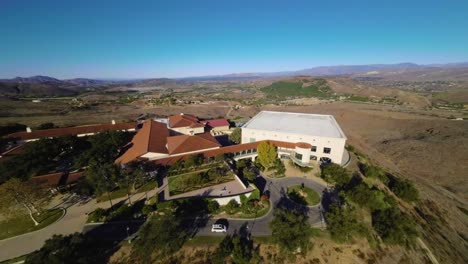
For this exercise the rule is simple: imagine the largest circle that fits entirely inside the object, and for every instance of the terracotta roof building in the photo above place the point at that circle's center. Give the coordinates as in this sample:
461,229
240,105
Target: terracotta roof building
217,124
71,131
186,124
154,141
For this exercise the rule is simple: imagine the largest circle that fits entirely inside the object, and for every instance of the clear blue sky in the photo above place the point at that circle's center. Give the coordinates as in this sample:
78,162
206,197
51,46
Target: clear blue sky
135,39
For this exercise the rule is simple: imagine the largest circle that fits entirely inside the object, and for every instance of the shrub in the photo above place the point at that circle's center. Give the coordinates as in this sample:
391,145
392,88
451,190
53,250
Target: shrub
255,195
123,211
394,227
373,171
404,189
248,174
373,199
213,206
231,207
342,223
147,209
291,230
279,167
98,215
335,174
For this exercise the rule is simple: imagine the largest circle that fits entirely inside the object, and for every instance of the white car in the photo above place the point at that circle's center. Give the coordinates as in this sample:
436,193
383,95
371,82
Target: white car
218,228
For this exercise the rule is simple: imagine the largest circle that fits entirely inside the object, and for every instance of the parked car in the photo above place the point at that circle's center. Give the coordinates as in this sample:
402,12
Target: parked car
218,228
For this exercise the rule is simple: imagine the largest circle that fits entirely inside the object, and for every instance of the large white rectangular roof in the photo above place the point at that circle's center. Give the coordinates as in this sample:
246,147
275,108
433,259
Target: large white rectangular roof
296,123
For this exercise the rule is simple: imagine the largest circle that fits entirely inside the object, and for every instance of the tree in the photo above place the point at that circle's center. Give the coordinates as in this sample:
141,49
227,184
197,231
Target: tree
291,230
25,194
236,135
266,154
373,199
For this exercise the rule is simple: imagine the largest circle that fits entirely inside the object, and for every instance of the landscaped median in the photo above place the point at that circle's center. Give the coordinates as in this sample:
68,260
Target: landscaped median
23,224
303,195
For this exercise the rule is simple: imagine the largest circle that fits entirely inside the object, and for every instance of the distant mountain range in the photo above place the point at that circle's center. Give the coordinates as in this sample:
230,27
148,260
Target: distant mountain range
48,86
335,70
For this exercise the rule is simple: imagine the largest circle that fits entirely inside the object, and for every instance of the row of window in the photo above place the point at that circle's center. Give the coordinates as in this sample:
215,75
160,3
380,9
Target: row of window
325,150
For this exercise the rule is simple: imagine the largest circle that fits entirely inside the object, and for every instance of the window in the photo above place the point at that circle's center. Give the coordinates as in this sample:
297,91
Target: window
298,156
327,150
312,157
252,139
314,149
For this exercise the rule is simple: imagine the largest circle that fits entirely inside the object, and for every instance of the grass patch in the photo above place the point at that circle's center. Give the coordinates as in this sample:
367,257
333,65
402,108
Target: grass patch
23,224
356,98
303,195
204,240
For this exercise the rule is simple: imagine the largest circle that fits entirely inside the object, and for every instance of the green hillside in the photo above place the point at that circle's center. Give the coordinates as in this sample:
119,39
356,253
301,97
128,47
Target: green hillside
294,89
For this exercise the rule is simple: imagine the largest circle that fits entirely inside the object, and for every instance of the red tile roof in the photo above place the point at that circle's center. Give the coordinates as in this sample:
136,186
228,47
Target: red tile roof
216,122
186,143
224,150
66,131
152,137
184,120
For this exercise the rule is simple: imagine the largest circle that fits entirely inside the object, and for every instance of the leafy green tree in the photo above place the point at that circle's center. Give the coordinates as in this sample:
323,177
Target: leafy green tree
266,154
236,135
342,223
291,230
24,194
75,249
404,189
394,227
335,174
219,157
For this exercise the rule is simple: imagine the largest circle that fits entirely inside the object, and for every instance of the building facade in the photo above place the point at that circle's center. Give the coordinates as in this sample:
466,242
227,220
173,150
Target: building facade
315,137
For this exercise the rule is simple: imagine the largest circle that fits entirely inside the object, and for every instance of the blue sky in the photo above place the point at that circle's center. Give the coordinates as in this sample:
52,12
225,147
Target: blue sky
141,39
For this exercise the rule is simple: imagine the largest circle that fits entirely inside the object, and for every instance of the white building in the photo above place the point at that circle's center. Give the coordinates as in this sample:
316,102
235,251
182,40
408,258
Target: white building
316,137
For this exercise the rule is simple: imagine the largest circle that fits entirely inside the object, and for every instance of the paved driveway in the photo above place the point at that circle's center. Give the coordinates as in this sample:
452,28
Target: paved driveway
277,189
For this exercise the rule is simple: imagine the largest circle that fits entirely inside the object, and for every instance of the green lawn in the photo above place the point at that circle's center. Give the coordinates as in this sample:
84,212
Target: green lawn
303,195
23,224
204,240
